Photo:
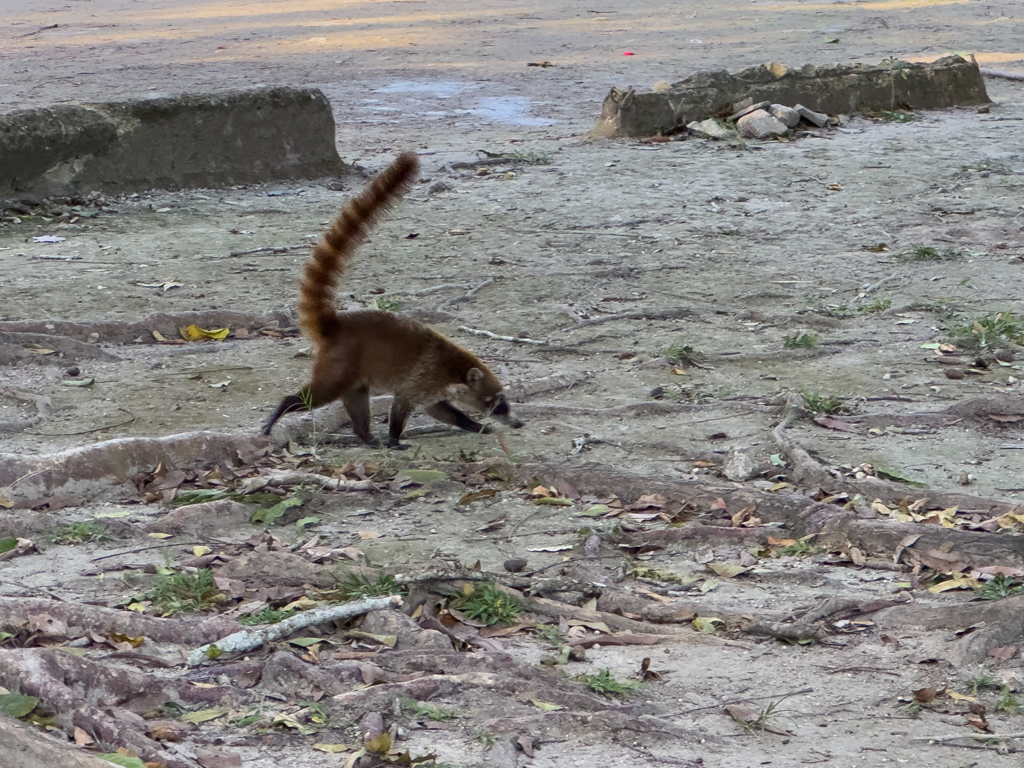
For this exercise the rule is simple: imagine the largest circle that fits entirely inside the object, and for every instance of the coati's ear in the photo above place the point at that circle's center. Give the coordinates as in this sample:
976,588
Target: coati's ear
474,376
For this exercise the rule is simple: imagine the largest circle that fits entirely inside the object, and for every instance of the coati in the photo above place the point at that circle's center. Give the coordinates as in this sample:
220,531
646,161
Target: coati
363,351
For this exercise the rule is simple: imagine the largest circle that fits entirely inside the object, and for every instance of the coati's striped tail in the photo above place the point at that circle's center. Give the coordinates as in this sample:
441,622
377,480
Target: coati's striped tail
317,310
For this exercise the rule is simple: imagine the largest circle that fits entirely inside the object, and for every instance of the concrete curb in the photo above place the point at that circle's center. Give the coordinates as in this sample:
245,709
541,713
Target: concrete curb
168,142
835,89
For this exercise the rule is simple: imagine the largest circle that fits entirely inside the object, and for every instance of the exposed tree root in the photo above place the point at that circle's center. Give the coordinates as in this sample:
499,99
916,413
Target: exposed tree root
166,323
94,470
44,408
980,627
26,747
103,700
17,348
834,526
976,409
17,612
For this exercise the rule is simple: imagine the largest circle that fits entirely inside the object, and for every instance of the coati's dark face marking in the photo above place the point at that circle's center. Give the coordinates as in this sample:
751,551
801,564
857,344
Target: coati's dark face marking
490,398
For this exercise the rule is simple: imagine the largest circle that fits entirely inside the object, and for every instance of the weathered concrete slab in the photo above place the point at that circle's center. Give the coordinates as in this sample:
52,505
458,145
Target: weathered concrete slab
168,142
834,89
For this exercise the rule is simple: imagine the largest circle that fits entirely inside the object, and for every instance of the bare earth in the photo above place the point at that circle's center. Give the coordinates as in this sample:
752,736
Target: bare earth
739,247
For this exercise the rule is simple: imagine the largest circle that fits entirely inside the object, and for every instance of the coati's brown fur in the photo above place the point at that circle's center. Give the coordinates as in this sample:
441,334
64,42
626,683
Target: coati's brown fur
364,351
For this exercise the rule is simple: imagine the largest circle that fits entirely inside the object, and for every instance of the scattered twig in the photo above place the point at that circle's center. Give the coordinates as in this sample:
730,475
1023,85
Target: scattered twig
773,697
37,31
467,295
268,249
656,314
945,739
248,640
151,546
498,336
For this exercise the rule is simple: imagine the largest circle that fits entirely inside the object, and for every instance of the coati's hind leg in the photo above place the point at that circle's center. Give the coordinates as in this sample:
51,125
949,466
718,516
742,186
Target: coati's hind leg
309,397
357,403
446,412
401,410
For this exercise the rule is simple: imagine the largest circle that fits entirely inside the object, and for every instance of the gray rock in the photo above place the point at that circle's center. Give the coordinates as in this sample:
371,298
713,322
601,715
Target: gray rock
748,109
711,129
785,115
741,465
819,119
760,125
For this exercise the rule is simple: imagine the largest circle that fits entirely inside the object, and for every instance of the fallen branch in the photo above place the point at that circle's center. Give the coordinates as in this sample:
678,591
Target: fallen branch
283,478
248,640
1001,73
499,337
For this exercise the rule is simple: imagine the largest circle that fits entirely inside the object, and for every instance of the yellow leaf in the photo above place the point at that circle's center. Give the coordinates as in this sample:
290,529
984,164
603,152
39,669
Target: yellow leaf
204,715
195,333
707,624
158,336
380,745
138,607
546,706
5,502
41,350
781,486
729,570
368,534
200,550
960,696
161,535
332,747
135,642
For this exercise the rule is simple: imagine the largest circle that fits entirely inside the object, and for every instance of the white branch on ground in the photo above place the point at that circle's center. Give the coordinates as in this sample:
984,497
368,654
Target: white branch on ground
249,639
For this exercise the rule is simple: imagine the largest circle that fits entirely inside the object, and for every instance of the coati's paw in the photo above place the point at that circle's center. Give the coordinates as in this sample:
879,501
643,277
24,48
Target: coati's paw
398,445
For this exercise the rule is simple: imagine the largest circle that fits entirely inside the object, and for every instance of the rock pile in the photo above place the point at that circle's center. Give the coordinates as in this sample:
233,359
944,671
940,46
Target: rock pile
763,120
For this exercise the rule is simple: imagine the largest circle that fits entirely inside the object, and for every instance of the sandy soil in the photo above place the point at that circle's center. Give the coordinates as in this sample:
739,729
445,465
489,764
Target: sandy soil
750,244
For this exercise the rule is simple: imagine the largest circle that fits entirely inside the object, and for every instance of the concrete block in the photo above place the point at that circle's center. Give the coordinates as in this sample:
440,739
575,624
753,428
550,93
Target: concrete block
819,119
760,125
785,115
833,89
168,142
711,129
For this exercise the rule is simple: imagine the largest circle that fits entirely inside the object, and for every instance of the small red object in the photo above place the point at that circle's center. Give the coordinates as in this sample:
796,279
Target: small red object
628,53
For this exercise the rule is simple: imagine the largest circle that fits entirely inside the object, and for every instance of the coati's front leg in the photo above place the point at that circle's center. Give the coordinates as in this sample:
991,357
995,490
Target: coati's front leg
447,413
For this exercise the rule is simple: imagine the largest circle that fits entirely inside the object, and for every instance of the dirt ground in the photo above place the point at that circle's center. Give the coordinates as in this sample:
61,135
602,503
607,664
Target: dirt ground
739,247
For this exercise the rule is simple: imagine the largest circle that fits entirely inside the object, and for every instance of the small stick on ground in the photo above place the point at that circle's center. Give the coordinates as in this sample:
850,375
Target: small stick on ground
498,336
990,73
467,295
270,249
657,314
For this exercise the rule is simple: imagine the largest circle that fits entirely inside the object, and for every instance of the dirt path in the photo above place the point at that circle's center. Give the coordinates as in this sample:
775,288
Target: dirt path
727,250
